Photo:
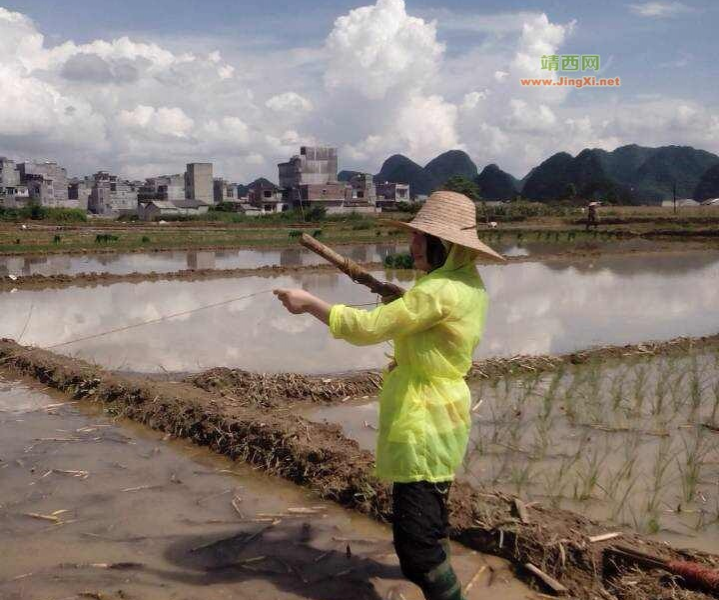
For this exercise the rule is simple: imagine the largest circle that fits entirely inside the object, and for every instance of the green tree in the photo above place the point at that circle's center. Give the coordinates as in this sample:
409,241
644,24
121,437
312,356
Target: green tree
458,183
570,191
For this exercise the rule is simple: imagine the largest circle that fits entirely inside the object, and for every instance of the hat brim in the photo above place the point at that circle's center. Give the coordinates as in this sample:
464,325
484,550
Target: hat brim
467,238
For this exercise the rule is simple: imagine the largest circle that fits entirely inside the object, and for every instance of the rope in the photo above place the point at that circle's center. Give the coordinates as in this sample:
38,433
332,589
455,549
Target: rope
165,318
157,320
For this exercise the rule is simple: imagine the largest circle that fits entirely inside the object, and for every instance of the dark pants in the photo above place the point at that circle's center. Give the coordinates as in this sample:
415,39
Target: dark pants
420,528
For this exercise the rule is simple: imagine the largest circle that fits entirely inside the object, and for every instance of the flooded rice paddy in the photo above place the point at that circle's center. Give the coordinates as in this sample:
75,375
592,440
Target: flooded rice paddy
633,442
95,508
535,308
167,261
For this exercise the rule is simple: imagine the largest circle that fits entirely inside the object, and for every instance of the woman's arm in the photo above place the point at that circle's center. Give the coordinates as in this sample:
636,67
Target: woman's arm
299,301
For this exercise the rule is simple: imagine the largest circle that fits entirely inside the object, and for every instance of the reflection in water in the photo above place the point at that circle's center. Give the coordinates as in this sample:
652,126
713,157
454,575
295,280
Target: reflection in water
168,507
534,308
163,262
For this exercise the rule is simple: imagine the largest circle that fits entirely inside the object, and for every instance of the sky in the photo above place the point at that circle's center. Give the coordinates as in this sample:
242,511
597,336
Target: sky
141,88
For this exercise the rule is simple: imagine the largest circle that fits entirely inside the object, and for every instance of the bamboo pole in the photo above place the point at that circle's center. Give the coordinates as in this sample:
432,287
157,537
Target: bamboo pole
388,291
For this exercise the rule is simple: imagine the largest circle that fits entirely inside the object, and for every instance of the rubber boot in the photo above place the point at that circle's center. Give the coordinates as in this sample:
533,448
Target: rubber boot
441,583
446,547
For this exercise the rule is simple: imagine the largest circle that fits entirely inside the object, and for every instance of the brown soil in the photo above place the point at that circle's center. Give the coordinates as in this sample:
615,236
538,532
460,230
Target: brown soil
320,457
39,281
276,390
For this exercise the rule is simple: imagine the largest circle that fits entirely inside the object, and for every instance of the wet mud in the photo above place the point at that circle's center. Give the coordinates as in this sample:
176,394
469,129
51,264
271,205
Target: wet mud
321,458
99,507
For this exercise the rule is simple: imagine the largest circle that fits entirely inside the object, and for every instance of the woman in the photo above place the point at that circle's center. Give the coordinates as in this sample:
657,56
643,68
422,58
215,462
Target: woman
424,419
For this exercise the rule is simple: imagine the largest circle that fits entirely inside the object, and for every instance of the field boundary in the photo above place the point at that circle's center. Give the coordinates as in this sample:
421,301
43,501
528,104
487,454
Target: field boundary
319,457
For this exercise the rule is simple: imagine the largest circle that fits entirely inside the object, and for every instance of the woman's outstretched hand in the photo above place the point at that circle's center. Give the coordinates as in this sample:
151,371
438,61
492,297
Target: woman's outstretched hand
299,301
294,300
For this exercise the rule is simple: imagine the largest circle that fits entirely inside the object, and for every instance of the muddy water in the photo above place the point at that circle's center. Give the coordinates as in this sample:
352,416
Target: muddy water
81,493
165,262
535,308
619,442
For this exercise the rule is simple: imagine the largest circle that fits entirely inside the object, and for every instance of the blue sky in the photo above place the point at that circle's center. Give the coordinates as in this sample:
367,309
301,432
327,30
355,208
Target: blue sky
664,51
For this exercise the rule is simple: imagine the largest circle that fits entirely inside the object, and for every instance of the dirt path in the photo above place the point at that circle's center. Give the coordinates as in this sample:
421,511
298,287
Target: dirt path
321,458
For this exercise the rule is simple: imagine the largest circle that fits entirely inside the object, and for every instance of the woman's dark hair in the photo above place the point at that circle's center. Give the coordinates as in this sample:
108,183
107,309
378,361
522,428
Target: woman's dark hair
436,253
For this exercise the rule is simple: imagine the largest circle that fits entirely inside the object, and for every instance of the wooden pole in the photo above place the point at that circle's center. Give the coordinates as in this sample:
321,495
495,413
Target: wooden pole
388,291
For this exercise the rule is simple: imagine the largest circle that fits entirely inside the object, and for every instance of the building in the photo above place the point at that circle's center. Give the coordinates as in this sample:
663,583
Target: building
389,194
111,196
310,179
266,196
79,191
154,210
224,191
361,188
314,165
12,192
164,187
9,176
46,183
199,183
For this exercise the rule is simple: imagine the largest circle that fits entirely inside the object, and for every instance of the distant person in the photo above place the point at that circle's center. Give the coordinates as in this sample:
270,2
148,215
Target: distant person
592,217
424,419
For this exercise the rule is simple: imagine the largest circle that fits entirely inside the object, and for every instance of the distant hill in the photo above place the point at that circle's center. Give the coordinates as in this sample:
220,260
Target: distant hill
549,179
425,180
347,175
668,164
708,186
495,184
629,174
400,169
448,164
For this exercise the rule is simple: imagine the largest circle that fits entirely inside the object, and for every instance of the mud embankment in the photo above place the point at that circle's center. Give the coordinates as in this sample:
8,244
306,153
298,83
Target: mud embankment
276,390
319,457
270,390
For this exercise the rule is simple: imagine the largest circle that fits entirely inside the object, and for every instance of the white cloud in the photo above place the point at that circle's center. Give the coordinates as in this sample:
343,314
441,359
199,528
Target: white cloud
231,130
289,101
659,10
380,83
472,99
162,120
426,127
375,49
525,117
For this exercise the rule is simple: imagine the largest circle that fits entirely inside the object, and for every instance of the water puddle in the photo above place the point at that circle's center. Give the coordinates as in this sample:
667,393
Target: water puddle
536,308
624,442
93,509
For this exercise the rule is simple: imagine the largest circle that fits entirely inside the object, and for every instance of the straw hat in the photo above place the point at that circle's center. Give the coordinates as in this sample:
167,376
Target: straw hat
452,217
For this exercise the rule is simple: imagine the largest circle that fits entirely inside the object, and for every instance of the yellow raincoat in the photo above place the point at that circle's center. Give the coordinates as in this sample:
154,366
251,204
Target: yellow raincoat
424,419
